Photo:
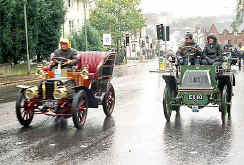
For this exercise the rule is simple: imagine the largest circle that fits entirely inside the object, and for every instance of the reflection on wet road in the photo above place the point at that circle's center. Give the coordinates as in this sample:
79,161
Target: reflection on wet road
137,133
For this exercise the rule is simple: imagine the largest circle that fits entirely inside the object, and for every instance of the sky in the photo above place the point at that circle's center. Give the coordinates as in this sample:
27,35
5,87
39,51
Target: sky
189,8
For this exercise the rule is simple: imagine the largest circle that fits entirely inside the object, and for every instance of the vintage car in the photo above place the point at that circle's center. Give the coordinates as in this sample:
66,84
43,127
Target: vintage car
198,86
69,92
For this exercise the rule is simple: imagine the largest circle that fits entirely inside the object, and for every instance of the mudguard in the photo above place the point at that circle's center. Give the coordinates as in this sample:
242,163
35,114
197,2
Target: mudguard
170,81
92,101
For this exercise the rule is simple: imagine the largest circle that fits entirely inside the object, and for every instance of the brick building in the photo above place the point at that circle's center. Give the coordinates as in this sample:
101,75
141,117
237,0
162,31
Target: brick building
226,37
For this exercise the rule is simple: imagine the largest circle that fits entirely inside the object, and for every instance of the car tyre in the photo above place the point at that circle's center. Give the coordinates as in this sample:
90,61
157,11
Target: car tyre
80,109
23,113
109,101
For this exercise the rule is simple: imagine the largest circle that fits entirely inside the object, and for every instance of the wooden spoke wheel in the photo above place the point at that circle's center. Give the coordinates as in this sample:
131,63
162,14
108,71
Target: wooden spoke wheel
109,101
167,97
24,110
225,106
79,109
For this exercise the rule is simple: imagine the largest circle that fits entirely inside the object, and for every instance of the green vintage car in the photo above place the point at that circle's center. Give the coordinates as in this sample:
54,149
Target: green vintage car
199,86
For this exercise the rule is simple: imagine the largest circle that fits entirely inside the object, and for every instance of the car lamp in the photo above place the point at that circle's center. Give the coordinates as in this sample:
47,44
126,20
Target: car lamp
60,93
31,92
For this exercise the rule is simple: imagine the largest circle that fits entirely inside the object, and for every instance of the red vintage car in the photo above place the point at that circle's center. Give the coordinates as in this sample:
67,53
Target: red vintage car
69,92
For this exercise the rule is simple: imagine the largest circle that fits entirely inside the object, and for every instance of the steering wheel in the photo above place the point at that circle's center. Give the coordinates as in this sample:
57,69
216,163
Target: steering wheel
60,60
189,51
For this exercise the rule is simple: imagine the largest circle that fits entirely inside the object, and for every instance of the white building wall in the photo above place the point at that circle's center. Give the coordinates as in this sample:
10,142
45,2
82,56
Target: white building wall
75,17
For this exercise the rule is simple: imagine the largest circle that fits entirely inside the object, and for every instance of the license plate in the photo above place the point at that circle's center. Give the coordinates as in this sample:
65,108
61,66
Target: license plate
195,109
50,104
195,97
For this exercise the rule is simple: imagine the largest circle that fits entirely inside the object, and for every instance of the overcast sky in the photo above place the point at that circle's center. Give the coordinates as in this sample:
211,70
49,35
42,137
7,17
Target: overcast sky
182,8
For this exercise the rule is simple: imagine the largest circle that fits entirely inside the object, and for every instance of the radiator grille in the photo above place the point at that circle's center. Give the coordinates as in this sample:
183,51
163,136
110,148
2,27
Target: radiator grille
49,89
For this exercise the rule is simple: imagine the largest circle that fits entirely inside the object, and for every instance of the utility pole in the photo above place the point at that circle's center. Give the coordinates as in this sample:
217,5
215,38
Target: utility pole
26,36
85,7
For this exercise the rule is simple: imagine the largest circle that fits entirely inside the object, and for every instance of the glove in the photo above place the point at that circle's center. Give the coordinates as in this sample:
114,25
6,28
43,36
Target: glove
181,61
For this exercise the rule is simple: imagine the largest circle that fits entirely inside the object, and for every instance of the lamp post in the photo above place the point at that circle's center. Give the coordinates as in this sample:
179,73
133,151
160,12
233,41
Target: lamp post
26,37
85,6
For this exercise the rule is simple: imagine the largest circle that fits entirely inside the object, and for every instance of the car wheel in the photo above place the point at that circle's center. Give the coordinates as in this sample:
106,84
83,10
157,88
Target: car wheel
24,113
224,107
167,97
109,101
79,109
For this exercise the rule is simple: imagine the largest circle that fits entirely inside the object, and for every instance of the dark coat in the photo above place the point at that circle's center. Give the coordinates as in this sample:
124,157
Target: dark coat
181,56
70,54
213,53
193,44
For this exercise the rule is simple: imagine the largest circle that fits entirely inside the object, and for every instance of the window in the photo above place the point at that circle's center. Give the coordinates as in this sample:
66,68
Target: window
71,26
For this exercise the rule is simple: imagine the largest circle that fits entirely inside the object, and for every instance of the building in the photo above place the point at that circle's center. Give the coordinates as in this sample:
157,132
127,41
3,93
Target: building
236,39
77,13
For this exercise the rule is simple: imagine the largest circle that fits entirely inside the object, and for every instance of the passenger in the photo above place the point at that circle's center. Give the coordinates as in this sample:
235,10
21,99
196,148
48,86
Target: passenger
193,60
212,52
65,51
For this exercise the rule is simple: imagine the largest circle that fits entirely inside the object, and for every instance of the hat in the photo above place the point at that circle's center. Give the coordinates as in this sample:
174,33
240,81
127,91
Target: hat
188,35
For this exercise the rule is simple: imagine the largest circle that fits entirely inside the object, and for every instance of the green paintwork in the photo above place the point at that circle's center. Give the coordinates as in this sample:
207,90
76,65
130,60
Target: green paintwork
189,100
212,71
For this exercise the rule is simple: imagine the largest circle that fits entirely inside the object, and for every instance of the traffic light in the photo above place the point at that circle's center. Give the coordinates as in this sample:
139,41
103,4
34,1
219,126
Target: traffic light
167,33
143,43
158,27
162,32
127,39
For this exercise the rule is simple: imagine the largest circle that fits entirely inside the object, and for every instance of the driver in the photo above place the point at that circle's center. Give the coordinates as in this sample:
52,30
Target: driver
212,52
65,51
183,60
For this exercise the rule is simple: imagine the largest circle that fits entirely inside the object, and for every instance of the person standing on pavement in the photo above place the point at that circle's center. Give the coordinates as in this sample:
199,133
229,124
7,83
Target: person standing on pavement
65,51
212,52
183,60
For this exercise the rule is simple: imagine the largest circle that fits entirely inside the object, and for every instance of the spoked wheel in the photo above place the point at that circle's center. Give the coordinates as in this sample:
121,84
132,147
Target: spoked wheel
79,109
24,113
109,101
225,107
167,97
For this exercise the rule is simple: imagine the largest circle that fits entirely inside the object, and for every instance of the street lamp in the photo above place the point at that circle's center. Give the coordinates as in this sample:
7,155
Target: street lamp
26,36
85,6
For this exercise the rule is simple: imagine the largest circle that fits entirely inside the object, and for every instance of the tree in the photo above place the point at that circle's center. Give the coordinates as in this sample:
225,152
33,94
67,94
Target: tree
45,18
93,39
117,17
51,16
239,15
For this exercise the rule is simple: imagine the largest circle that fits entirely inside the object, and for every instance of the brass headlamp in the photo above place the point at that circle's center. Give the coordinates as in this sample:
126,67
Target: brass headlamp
31,92
60,93
84,72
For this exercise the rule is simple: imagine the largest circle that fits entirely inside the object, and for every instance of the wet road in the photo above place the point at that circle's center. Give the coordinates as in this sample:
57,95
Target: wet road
136,134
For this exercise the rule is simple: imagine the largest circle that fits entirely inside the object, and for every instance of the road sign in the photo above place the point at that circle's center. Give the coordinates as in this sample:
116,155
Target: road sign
107,39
